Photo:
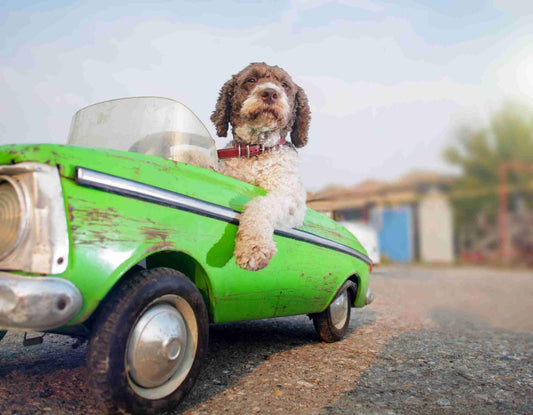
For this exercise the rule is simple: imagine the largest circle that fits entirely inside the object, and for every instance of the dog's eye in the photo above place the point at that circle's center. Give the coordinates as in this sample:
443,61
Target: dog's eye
285,85
251,80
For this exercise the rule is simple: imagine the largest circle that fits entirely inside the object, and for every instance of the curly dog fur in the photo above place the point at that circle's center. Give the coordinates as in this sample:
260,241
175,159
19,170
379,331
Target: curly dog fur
263,105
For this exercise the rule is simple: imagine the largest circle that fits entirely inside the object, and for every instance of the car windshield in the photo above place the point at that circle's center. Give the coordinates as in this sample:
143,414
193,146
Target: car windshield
148,125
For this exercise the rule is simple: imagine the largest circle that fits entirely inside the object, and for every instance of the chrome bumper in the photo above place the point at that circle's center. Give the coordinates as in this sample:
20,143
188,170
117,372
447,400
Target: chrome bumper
369,296
36,303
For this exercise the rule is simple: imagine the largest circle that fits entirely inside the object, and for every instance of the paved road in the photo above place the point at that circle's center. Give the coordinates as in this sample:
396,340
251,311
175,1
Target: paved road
435,341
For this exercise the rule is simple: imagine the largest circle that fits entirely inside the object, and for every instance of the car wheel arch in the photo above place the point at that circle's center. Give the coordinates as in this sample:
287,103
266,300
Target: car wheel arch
354,289
177,260
185,263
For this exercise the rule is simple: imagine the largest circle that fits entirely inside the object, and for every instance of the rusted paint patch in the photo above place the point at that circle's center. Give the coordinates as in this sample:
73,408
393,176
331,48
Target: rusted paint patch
159,238
320,229
70,210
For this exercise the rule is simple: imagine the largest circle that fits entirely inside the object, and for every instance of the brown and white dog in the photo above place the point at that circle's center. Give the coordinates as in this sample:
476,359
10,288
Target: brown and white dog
263,104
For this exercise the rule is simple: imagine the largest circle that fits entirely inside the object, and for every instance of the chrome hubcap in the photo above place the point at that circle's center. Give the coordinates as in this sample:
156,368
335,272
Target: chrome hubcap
172,348
338,309
161,347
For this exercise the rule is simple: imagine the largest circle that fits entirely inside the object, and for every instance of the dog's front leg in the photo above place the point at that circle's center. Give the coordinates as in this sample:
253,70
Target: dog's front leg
254,245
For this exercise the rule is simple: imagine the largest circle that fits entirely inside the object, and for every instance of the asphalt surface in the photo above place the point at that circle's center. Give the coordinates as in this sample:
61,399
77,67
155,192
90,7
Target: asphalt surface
435,341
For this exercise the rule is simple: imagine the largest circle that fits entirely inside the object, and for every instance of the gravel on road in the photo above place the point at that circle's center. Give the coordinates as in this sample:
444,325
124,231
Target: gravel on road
436,341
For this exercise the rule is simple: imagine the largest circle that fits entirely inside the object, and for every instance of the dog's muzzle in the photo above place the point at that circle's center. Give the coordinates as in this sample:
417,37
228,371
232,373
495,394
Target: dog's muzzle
267,98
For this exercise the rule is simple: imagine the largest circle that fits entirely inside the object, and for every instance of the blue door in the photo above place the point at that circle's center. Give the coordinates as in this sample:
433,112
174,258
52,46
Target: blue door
396,236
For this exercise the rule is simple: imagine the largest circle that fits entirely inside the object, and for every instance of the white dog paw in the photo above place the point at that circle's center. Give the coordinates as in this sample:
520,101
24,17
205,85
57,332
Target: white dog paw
254,256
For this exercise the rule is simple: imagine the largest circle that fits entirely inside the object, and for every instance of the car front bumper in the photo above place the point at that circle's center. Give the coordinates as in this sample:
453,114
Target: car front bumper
36,303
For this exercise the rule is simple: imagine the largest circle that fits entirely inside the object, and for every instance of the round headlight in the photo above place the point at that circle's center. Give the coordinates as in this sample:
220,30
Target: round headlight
12,215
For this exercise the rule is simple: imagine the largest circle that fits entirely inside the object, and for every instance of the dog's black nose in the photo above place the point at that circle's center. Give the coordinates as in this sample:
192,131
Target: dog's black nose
269,95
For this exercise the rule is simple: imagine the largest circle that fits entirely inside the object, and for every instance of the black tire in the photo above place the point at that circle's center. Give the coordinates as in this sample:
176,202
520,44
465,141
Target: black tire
329,324
2,334
152,301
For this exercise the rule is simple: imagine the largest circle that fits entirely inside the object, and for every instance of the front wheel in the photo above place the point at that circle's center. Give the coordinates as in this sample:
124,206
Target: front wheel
332,323
150,337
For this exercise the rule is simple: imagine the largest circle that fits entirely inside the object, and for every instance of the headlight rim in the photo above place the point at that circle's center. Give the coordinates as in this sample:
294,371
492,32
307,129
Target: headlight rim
24,216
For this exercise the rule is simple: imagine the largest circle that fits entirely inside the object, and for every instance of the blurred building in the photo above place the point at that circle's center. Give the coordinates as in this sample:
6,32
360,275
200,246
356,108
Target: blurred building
412,216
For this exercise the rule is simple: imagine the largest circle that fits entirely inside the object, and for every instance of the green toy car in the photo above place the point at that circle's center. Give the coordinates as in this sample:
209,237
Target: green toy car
135,252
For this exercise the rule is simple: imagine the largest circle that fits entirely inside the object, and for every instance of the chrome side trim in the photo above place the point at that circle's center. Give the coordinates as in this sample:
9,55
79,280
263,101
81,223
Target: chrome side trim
125,187
130,188
321,241
37,303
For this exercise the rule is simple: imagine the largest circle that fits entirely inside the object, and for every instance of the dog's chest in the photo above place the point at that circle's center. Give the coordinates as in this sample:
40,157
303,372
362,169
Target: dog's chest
260,169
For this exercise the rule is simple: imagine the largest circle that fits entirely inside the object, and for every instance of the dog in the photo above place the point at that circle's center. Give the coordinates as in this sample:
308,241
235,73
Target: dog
263,105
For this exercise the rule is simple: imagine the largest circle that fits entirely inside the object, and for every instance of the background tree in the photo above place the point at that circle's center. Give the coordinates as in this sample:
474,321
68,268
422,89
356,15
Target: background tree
478,152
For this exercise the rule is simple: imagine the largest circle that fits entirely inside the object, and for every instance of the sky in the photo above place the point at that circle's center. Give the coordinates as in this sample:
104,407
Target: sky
389,82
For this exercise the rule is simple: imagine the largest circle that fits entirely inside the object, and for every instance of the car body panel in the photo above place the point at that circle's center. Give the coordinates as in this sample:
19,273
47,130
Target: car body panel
109,233
367,236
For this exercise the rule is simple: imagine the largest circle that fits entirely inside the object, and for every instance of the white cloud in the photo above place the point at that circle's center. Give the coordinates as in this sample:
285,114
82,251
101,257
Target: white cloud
346,98
518,7
369,5
377,88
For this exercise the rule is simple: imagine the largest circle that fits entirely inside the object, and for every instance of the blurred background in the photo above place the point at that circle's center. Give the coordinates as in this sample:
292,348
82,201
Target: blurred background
422,133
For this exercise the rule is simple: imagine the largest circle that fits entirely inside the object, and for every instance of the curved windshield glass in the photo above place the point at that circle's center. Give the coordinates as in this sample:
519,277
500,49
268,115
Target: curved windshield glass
148,125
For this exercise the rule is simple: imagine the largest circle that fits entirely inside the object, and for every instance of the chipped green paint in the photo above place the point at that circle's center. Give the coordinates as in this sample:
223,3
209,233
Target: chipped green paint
110,233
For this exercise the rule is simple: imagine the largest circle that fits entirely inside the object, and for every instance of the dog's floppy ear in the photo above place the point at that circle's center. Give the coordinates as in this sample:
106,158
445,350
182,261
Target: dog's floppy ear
222,112
300,128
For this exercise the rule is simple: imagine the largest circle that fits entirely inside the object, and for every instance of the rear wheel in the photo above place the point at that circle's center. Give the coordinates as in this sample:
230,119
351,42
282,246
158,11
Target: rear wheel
332,323
149,339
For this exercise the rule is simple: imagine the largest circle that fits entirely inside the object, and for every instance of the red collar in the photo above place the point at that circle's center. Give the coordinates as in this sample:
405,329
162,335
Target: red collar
246,150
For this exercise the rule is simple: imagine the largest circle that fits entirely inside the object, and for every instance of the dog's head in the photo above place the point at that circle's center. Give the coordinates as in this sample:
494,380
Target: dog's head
262,104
